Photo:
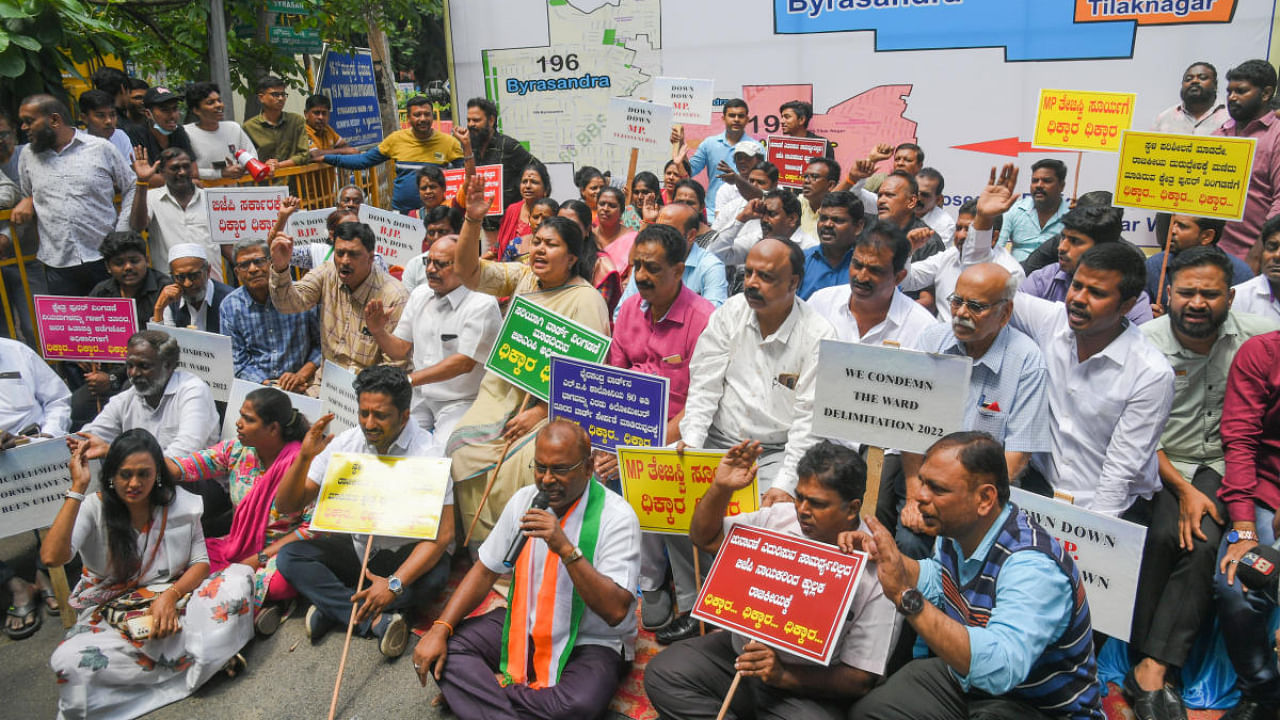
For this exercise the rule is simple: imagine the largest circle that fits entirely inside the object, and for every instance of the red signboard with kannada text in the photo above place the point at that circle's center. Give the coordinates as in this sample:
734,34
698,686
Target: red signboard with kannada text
492,175
791,155
786,591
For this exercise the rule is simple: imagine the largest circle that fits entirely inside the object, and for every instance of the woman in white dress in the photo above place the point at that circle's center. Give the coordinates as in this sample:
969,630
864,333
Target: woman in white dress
140,536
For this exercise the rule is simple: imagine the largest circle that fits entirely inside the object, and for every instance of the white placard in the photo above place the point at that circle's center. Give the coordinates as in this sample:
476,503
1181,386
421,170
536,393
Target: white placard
888,397
308,406
236,213
337,396
635,123
562,187
309,226
1107,552
33,480
690,99
399,236
205,355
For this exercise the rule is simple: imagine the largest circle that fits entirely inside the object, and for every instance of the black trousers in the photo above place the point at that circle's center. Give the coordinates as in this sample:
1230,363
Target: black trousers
926,690
75,280
1175,587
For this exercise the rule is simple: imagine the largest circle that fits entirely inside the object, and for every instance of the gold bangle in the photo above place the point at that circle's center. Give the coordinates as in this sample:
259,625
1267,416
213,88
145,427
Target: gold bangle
447,625
139,183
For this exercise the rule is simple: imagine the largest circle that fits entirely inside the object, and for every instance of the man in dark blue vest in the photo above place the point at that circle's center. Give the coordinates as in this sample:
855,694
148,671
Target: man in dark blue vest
999,605
194,298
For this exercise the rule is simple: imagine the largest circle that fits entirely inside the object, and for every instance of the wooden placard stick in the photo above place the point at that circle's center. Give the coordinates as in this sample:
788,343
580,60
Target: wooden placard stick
1164,267
494,476
631,172
351,624
728,698
875,466
697,584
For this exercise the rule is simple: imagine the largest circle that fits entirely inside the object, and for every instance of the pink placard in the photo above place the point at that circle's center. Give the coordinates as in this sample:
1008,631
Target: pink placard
85,328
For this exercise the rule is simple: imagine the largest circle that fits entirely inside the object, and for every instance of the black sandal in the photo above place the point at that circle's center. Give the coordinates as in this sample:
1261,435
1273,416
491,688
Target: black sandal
30,611
235,666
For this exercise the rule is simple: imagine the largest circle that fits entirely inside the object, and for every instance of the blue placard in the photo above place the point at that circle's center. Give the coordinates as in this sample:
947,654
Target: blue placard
348,81
616,407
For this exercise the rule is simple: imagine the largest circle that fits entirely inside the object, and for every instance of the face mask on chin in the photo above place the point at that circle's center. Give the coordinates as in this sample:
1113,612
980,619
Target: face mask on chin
161,130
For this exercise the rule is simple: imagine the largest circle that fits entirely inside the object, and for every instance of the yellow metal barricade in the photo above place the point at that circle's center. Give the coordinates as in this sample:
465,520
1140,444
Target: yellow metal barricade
21,261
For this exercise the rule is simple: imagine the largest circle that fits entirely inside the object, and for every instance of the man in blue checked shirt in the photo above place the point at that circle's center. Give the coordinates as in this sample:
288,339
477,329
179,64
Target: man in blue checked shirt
268,346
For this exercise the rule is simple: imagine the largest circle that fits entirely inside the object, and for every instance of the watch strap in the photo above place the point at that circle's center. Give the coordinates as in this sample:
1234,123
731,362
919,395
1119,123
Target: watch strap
573,557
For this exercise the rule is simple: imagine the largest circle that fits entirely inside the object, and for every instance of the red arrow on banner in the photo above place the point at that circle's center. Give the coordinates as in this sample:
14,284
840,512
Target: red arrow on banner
1010,147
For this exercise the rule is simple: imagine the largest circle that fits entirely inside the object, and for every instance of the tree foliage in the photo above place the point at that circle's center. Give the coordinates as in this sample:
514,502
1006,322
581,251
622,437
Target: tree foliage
39,39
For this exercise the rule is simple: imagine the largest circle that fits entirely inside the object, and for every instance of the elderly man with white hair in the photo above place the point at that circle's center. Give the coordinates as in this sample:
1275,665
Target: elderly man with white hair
194,298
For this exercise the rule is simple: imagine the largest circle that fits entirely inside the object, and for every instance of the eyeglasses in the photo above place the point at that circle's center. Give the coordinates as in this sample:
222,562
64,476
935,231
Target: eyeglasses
279,94
252,263
560,472
438,264
189,277
813,176
975,307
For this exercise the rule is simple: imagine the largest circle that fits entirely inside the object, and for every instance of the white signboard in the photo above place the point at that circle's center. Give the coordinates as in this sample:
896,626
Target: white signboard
337,396
399,236
309,226
887,397
33,480
205,355
1107,552
310,407
236,213
690,99
635,123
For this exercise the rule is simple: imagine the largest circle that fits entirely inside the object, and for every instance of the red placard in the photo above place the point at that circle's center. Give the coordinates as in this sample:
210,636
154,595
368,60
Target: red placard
492,175
85,328
791,155
788,592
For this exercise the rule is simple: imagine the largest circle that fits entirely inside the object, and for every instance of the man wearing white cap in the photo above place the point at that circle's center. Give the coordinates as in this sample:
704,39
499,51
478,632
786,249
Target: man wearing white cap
734,190
194,297
176,213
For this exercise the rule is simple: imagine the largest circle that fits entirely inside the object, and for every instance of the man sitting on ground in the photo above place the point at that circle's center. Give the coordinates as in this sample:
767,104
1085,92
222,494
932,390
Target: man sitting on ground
195,298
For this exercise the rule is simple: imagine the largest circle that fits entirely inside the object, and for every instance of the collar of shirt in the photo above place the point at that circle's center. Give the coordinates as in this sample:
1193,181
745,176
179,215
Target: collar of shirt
815,252
165,194
1166,342
899,308
77,140
262,118
677,313
1208,113
454,298
401,445
783,333
364,290
1116,351
992,359
1266,120
694,257
988,540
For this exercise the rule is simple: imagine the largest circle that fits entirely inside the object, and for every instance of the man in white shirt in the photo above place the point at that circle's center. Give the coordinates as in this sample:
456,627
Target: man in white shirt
578,555
870,309
729,200
1261,295
449,333
195,298
402,573
1199,113
753,371
691,679
929,204
777,214
176,213
1110,390
941,271
33,399
172,404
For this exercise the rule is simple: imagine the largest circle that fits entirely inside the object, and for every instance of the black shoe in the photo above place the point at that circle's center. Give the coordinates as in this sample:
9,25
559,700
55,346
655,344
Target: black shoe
1146,704
1174,708
682,628
1249,710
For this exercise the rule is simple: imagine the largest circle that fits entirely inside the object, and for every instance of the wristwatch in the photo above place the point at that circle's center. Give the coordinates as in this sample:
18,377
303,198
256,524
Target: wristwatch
262,559
1236,536
911,602
574,556
395,586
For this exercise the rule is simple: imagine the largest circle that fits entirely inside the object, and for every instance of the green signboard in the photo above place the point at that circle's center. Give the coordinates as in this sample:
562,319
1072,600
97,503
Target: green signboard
530,336
298,41
288,7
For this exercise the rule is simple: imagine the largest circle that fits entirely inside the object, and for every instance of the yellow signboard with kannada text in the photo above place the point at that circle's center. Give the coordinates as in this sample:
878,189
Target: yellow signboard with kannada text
664,488
380,495
1187,174
1083,120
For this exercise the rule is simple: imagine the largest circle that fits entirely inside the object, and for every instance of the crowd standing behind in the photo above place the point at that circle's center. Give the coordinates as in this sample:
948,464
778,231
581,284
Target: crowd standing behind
1141,388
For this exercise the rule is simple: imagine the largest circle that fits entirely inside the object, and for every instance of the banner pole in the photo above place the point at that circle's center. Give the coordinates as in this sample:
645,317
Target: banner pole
875,467
631,171
1164,266
489,486
728,698
1075,187
351,624
697,584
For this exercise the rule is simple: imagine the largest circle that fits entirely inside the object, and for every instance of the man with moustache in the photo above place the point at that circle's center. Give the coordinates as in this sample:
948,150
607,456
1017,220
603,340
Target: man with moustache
704,273
907,157
820,176
896,202
267,346
839,225
447,335
1109,389
194,299
1199,113
173,214
70,181
1261,295
1037,217
1200,336
342,289
1250,87
929,208
753,372
870,309
776,214
656,333
691,680
493,148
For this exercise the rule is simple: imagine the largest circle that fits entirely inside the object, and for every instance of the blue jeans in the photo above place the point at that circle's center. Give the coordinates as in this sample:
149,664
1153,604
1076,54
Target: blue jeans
1244,618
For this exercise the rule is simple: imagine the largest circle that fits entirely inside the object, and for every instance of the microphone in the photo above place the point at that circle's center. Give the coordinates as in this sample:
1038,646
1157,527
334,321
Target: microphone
541,501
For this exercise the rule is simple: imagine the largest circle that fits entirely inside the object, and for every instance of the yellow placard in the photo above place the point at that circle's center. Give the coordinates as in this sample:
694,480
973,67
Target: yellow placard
1188,174
379,495
664,488
1083,120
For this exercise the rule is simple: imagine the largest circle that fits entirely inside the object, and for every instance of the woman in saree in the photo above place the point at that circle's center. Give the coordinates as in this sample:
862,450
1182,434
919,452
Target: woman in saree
589,182
613,239
501,424
605,276
517,221
139,537
643,186
268,436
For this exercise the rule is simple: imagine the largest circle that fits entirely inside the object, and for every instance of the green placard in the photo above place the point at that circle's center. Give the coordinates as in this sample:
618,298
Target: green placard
300,41
530,335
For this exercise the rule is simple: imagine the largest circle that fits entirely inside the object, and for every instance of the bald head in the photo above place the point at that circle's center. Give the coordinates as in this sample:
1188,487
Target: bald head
679,216
990,287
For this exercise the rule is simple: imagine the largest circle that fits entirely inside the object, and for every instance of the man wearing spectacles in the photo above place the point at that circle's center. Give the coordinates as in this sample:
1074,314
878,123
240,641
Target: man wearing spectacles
281,137
440,221
562,645
447,332
268,346
195,298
